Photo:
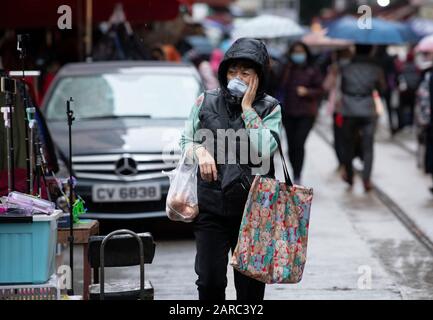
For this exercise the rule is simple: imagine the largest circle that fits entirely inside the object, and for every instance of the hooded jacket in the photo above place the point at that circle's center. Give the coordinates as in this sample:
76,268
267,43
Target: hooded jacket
250,49
221,110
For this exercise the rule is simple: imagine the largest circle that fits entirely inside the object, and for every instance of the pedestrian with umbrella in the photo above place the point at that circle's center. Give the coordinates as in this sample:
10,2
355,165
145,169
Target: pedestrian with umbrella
359,79
332,86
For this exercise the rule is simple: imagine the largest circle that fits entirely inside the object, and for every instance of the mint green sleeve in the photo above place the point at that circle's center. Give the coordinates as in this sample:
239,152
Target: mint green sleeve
259,129
191,126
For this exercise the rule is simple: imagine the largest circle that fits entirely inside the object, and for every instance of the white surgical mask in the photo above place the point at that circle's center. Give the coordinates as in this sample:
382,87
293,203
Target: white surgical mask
423,63
237,87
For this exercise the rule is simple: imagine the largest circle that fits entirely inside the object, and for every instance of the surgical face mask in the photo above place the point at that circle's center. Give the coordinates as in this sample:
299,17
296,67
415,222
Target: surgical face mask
422,63
237,87
298,58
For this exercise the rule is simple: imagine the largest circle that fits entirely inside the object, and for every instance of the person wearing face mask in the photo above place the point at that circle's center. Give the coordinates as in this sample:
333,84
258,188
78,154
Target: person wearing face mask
241,105
300,91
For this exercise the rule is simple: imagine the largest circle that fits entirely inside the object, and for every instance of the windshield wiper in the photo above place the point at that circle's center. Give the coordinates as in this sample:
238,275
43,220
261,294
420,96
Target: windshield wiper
146,116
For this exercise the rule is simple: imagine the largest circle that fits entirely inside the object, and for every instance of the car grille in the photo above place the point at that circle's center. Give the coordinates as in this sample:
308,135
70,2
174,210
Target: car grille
123,167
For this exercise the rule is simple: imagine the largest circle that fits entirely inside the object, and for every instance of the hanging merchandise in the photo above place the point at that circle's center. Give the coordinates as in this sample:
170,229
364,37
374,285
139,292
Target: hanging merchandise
32,123
27,148
8,88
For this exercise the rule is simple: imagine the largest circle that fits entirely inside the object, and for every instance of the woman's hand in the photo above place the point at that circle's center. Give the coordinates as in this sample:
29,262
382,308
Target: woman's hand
302,91
207,165
250,94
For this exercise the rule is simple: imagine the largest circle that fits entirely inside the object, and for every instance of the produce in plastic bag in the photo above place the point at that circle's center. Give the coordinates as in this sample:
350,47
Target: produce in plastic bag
182,203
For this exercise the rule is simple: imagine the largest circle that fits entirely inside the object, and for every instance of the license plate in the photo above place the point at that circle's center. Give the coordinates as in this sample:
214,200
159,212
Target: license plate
128,193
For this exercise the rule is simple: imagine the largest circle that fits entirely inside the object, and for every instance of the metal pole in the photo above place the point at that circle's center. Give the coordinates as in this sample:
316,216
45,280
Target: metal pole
80,29
22,48
26,126
6,110
32,122
11,141
89,14
70,115
39,172
31,151
8,138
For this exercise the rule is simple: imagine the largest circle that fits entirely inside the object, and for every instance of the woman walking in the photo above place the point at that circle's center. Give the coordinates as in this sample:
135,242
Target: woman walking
301,89
240,105
359,79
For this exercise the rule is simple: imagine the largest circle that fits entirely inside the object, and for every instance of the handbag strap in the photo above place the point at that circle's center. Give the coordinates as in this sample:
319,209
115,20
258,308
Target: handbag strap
285,170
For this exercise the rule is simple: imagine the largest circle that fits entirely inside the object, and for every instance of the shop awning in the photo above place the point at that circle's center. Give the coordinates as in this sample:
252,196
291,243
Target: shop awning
216,3
43,13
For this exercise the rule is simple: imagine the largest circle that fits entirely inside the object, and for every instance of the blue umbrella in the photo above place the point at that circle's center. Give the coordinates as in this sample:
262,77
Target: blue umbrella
382,32
407,32
200,44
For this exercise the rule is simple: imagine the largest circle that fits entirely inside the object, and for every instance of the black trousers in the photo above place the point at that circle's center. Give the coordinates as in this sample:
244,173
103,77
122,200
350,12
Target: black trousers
215,235
297,130
390,110
352,127
406,108
338,140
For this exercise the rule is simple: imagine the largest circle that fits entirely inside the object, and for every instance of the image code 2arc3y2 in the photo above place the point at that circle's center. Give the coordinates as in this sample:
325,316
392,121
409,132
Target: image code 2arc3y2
217,310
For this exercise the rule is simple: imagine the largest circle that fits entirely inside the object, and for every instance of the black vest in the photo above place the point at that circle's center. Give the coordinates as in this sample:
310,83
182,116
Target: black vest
227,195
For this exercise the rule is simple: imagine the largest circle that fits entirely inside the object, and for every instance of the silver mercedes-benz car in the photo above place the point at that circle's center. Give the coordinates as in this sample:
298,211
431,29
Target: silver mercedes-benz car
128,118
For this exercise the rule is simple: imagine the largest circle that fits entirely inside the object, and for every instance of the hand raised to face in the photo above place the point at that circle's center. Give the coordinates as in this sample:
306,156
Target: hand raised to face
250,94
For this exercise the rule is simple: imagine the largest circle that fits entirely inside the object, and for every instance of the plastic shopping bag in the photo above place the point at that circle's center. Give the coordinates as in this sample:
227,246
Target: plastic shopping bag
182,202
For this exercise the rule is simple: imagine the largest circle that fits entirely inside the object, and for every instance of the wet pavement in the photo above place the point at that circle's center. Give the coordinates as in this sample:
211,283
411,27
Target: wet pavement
358,248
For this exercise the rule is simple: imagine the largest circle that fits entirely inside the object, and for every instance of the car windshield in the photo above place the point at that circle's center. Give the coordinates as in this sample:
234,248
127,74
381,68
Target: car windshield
125,95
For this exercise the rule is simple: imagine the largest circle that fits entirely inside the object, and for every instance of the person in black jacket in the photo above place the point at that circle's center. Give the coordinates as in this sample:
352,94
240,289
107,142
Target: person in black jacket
424,110
240,104
429,134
